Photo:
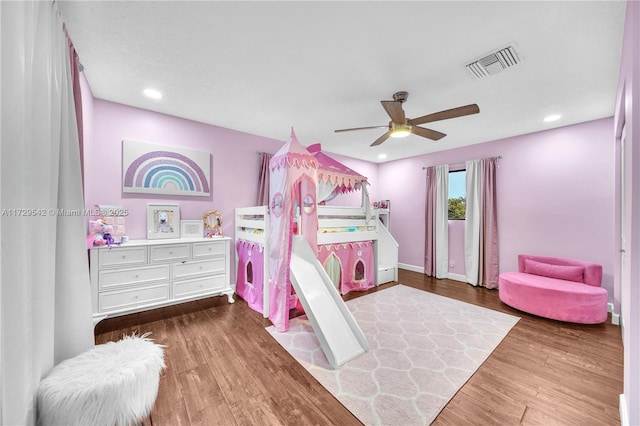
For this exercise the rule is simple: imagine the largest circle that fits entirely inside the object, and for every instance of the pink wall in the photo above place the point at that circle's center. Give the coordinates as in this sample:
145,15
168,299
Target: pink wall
555,195
234,170
628,299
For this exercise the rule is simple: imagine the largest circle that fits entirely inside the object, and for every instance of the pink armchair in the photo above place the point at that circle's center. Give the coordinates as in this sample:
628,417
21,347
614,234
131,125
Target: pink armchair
556,288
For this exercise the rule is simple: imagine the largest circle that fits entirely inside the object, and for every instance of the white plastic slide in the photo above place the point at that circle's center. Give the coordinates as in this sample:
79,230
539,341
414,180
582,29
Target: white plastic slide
339,334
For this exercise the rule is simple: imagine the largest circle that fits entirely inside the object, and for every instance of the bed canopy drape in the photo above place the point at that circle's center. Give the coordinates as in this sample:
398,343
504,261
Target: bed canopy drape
335,178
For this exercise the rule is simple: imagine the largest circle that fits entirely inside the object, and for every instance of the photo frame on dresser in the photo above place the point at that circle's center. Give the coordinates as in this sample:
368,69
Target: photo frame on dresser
163,221
191,229
212,221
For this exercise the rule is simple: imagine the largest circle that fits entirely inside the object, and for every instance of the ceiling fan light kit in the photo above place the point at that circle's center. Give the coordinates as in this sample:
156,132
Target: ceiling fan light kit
400,130
400,126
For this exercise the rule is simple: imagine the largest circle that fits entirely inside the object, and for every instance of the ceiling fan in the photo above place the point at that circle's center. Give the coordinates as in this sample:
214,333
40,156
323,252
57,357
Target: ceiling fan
400,126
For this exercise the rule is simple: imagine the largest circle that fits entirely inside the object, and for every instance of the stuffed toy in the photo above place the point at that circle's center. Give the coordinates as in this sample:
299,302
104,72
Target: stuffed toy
100,234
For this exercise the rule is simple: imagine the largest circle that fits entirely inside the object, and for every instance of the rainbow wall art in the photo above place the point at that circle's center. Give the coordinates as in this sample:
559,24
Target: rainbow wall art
157,169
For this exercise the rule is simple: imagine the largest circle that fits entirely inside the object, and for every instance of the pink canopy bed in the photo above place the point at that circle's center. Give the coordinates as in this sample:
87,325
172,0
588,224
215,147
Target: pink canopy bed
301,179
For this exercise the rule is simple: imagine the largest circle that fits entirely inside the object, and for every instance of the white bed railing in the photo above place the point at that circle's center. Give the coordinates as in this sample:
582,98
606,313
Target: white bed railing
345,224
336,225
252,223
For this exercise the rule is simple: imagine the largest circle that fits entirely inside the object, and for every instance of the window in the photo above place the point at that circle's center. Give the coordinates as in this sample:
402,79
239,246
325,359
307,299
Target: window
457,194
249,272
358,271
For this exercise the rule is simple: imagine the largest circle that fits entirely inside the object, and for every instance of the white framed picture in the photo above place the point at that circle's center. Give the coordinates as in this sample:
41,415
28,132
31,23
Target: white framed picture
163,221
191,228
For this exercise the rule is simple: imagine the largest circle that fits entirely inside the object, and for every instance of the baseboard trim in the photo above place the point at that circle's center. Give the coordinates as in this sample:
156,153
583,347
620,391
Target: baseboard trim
624,418
457,277
412,268
615,319
420,269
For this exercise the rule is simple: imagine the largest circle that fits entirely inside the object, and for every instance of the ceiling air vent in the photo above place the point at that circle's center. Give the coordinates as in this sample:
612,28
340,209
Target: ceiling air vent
494,62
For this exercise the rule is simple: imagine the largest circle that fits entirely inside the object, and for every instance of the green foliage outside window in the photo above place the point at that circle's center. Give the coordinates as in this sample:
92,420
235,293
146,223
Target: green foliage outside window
457,208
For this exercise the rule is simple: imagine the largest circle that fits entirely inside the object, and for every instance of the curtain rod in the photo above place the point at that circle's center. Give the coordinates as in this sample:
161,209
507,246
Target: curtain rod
459,164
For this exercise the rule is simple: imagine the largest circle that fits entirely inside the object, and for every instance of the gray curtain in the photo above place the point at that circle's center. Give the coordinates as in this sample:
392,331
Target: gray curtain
430,224
473,222
46,292
489,268
436,222
77,97
481,223
263,179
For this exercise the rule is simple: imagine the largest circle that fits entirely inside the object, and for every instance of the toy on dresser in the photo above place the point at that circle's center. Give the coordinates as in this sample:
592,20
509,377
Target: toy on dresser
100,234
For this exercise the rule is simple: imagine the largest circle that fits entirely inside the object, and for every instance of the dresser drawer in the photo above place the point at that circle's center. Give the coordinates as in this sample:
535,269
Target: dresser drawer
209,249
198,268
133,297
119,256
148,274
199,286
170,253
110,278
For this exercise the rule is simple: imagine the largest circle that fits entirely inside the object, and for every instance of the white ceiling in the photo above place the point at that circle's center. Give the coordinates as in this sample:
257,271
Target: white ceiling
264,67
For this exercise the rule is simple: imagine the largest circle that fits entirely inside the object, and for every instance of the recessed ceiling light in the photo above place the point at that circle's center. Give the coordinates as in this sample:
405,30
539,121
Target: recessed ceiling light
152,93
553,117
382,156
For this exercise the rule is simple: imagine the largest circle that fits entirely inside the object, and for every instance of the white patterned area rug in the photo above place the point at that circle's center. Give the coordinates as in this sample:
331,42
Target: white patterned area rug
422,349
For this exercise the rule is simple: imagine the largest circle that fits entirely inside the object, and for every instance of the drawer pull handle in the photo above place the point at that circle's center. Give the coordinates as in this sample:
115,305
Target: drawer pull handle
137,276
124,257
135,297
170,252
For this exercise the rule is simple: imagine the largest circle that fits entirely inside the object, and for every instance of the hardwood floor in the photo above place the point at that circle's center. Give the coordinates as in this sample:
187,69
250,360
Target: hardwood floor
223,368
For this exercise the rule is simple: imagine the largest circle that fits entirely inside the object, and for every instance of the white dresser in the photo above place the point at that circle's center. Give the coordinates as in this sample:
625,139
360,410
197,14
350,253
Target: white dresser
146,274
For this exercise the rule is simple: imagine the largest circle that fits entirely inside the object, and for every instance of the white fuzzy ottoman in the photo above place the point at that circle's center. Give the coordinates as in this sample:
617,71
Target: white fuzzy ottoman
112,384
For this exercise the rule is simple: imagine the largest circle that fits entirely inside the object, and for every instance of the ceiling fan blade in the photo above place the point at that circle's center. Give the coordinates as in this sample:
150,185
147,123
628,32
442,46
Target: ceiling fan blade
360,128
395,111
381,139
446,114
427,133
